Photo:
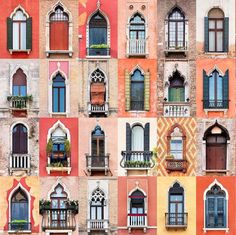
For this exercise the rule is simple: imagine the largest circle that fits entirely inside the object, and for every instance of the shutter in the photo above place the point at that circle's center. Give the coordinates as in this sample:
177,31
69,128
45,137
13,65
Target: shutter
206,34
9,34
29,34
210,212
226,34
128,137
146,136
127,91
205,90
147,91
220,212
226,90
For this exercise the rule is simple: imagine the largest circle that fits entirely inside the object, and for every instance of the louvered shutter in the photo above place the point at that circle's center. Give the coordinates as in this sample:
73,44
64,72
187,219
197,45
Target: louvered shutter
205,90
128,137
29,34
9,34
226,34
147,91
127,90
210,212
146,136
226,90
206,34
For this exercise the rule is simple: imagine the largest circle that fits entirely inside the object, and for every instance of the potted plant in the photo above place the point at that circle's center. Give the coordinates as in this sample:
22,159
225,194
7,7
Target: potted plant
19,224
44,205
67,146
72,205
99,46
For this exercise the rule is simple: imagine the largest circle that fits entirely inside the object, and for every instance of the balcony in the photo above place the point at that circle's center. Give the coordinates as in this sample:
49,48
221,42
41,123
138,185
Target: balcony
19,102
19,226
58,219
97,163
103,52
97,225
58,161
19,162
98,109
176,109
215,104
176,165
137,221
176,220
137,160
176,47
136,47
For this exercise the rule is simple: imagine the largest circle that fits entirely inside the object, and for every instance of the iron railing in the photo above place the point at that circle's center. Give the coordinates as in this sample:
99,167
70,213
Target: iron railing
176,220
98,51
176,165
97,163
216,104
19,226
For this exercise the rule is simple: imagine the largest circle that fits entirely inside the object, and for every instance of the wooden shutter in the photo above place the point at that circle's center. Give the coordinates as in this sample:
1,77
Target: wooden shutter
147,91
220,157
206,34
226,90
128,137
210,212
226,34
127,90
220,211
210,158
205,90
146,136
9,34
59,35
29,33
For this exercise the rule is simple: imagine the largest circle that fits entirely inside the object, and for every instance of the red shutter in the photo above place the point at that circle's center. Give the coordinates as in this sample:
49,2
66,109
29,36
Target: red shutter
59,35
97,93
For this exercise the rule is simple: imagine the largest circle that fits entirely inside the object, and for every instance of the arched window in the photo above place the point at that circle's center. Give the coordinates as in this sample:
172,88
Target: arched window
97,204
215,208
176,29
19,139
19,87
59,94
19,211
215,89
216,147
137,27
176,205
137,138
98,142
137,90
176,88
59,29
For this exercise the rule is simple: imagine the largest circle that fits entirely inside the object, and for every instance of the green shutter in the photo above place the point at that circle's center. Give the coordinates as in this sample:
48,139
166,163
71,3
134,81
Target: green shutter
127,90
29,34
146,136
205,90
226,34
226,90
206,34
9,34
128,137
176,94
147,91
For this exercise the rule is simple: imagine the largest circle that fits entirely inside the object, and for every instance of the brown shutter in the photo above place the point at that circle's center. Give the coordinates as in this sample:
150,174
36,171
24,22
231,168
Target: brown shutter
127,90
147,91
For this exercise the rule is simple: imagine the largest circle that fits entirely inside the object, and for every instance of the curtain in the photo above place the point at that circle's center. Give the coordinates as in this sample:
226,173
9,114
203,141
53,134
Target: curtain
176,94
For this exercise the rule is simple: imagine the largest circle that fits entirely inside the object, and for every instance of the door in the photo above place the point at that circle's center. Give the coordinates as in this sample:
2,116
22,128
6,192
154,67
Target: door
176,210
216,157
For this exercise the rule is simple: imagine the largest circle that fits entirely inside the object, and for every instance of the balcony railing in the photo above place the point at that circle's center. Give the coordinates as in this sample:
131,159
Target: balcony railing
176,165
176,109
97,225
97,163
98,51
136,47
138,160
58,219
216,104
19,227
137,220
19,162
98,109
137,105
176,47
176,220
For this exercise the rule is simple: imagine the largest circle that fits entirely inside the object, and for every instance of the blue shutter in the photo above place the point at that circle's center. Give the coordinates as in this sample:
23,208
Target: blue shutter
226,90
206,34
220,212
226,34
210,212
205,90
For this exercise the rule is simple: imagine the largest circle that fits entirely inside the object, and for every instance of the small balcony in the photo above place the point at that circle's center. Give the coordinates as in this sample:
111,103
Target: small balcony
97,225
137,47
58,161
137,160
97,163
176,109
19,162
137,221
176,220
216,104
19,102
98,109
176,165
176,47
98,50
58,219
19,226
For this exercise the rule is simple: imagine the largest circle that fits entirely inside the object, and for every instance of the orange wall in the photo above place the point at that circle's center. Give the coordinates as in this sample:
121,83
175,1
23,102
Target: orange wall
208,65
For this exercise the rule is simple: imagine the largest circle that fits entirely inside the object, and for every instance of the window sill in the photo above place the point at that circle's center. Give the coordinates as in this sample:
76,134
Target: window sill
20,51
58,114
136,111
58,169
18,232
216,229
59,52
215,110
212,171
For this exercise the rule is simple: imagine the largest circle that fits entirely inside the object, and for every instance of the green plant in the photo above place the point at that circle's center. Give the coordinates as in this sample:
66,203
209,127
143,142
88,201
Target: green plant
99,46
67,146
154,152
56,164
49,147
170,156
26,98
18,221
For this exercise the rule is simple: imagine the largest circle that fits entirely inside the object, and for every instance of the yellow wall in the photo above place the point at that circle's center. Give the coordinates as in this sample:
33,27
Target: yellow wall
189,185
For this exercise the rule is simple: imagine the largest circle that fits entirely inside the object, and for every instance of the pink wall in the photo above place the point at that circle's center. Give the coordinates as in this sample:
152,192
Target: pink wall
62,65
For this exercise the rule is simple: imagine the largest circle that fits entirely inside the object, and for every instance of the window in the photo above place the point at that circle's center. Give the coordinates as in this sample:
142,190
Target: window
19,31
59,29
59,94
19,211
97,204
98,142
176,88
215,208
19,139
176,205
137,90
216,31
215,90
19,84
216,138
176,29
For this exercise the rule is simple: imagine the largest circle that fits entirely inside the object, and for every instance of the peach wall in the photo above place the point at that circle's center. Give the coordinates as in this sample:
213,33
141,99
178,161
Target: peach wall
130,64
222,65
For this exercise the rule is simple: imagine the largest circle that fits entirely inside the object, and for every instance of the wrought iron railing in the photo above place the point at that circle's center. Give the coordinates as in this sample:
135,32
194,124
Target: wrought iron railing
137,105
19,226
97,163
176,220
216,104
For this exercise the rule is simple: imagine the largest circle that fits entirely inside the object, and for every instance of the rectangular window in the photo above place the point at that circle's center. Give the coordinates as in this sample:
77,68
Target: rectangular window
176,148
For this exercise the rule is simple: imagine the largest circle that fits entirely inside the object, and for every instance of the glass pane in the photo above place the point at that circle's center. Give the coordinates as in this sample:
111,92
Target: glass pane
16,33
93,213
211,24
137,138
16,91
23,91
62,100
55,100
176,148
211,41
97,36
219,24
212,88
23,36
219,41
219,87
19,16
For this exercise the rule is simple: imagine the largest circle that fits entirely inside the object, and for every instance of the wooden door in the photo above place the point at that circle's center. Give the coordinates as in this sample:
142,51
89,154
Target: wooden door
216,157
